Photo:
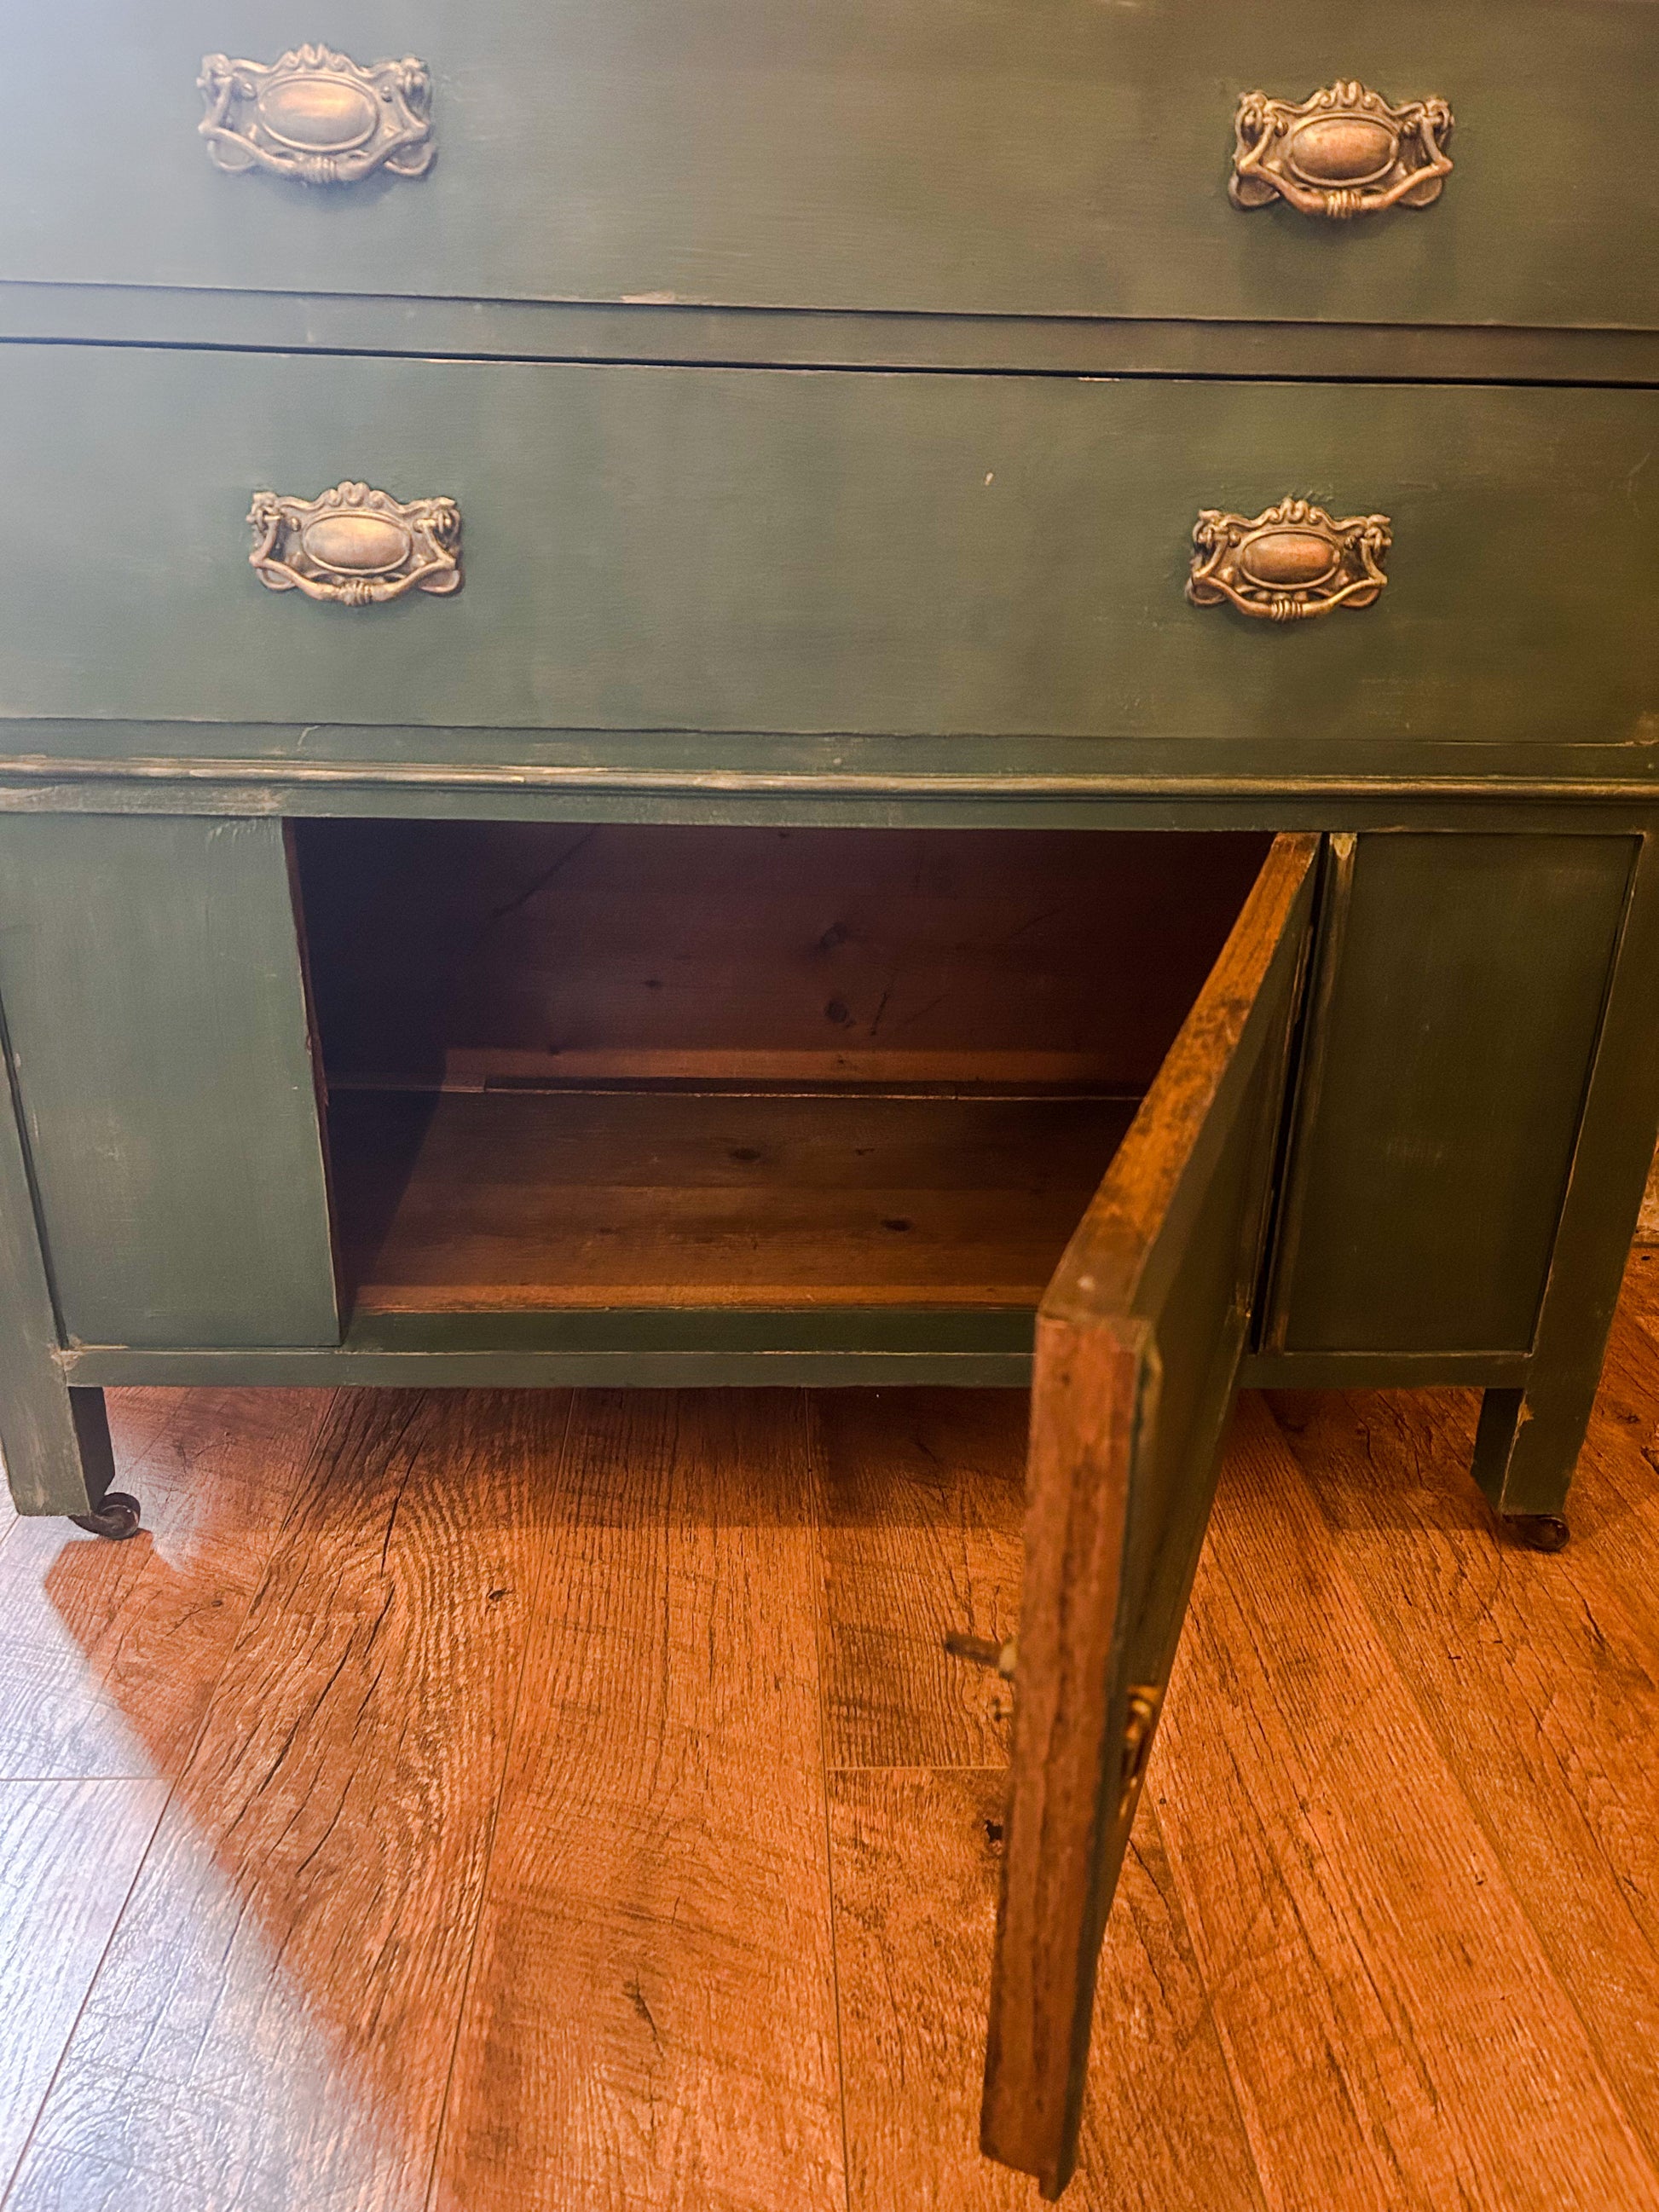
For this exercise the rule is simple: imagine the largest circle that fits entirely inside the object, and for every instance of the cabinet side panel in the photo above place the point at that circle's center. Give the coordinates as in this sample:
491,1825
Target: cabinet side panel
1457,1046
155,1012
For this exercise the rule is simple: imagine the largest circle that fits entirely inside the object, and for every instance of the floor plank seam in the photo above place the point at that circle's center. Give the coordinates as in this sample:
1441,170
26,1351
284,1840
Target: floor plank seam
1649,2151
1208,2014
1257,2140
434,2169
823,1634
1477,1812
932,1766
1381,2151
302,1461
27,2144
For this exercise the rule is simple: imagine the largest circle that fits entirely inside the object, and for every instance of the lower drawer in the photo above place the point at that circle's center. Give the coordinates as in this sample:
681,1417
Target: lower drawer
1003,558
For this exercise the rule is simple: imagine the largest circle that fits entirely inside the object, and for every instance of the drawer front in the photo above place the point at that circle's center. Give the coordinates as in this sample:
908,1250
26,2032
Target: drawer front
662,549
973,156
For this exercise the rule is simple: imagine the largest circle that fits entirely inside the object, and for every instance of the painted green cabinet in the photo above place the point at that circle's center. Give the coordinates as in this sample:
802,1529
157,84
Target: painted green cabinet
725,694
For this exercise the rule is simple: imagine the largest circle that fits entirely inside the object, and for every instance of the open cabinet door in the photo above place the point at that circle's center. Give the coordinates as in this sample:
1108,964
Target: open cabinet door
1137,1344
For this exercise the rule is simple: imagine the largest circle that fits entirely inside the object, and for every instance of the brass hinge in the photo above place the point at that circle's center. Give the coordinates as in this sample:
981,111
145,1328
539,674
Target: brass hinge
1144,1698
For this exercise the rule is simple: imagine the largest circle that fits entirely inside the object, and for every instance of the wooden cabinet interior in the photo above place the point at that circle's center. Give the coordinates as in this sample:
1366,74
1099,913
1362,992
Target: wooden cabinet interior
578,1066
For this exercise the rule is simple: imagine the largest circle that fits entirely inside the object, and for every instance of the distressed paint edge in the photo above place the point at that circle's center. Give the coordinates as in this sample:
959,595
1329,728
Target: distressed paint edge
30,770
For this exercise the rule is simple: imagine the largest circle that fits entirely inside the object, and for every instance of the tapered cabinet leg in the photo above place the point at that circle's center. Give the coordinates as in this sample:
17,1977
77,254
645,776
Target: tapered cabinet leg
1528,1440
59,1456
1526,1447
115,1514
54,1439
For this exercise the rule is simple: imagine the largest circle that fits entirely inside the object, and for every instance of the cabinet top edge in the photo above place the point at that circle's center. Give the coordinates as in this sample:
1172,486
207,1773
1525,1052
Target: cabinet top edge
35,783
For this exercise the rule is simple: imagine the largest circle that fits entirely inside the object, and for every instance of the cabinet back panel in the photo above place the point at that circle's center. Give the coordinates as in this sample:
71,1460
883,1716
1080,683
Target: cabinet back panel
468,953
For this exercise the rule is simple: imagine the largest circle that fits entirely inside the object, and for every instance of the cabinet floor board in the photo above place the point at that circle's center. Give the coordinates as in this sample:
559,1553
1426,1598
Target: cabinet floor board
525,1201
274,2022
652,2016
513,1770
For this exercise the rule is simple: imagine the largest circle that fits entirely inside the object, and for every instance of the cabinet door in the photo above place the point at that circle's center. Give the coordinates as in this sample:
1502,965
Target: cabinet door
155,1007
1460,983
1138,1344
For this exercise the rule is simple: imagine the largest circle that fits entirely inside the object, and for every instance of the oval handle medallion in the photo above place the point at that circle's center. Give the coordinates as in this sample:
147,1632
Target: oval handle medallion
1342,152
355,546
317,116
1289,561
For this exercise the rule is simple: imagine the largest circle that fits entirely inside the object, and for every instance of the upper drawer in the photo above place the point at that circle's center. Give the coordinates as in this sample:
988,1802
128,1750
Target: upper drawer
993,561
1036,157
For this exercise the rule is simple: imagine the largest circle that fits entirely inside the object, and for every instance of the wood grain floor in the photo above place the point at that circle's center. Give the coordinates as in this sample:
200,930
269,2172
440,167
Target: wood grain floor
520,1800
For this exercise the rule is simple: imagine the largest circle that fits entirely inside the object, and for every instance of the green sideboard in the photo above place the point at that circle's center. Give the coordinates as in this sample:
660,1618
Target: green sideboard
745,695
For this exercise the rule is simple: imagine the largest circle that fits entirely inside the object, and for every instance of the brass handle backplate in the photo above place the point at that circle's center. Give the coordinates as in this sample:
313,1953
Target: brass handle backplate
1289,561
1342,152
318,116
355,547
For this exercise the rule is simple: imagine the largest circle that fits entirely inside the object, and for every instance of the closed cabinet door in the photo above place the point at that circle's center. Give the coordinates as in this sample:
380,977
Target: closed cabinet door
1137,1345
1452,1031
155,1022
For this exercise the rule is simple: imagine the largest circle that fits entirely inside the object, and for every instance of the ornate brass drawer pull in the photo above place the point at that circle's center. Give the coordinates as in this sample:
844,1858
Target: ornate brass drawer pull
1340,153
318,116
355,546
1288,562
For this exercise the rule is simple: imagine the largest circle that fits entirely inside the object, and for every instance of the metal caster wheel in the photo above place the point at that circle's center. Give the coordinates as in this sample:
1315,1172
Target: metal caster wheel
1539,1532
116,1518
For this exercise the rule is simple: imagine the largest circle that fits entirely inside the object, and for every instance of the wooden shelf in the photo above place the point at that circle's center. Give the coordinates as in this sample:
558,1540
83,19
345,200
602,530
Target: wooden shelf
516,1202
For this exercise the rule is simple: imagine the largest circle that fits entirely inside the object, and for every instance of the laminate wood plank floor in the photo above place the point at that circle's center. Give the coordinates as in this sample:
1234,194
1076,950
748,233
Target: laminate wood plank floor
516,1799
660,1848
